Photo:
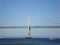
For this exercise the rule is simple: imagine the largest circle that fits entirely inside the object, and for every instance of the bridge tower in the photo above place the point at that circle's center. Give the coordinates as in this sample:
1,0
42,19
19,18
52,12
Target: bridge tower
29,35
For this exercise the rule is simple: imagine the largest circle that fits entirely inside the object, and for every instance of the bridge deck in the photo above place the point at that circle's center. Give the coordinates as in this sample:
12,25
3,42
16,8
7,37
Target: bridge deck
30,26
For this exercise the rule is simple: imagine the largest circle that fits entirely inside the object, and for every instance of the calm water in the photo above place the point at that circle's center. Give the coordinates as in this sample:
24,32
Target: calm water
33,41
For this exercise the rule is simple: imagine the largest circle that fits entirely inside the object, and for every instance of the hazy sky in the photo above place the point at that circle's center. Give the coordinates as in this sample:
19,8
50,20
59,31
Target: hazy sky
41,12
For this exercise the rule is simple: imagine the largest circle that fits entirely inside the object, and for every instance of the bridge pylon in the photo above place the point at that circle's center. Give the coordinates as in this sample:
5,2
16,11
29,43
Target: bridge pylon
29,34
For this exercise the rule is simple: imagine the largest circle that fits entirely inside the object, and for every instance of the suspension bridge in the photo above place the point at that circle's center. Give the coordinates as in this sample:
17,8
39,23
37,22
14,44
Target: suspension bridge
29,27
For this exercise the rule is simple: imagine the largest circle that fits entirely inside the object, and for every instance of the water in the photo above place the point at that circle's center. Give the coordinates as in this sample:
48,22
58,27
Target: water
33,41
6,40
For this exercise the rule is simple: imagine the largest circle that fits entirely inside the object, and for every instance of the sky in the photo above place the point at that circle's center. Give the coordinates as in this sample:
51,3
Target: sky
41,12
